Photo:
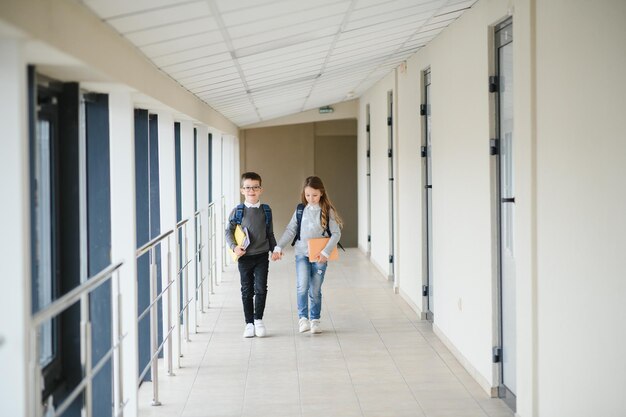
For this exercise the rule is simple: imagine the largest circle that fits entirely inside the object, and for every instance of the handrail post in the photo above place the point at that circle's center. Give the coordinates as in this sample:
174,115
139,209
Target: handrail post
223,236
179,280
209,251
200,262
35,395
214,226
118,380
186,285
85,354
154,368
169,307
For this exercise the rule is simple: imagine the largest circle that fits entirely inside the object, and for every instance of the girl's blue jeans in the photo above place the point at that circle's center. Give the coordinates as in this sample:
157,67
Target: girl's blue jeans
309,279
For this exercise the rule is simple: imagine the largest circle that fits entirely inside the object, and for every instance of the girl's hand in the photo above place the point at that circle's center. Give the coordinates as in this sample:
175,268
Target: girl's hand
322,259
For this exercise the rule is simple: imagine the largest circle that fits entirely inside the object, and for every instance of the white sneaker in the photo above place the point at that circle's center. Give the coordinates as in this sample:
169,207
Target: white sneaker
259,328
249,331
315,326
303,324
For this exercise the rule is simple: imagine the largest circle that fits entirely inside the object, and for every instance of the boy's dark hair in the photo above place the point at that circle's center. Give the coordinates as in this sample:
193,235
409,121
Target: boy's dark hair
251,176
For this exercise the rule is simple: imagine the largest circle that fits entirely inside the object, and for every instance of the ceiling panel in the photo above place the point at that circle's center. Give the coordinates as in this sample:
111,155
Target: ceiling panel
284,68
300,33
390,20
214,50
320,16
385,10
183,43
273,10
106,9
252,60
404,32
208,78
158,17
171,31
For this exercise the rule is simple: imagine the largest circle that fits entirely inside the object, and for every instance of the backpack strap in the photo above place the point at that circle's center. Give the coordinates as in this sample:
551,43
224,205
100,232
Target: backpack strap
238,217
299,211
268,218
330,234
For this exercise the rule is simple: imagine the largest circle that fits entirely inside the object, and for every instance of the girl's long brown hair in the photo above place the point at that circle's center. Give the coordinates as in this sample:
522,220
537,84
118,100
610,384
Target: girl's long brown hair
325,204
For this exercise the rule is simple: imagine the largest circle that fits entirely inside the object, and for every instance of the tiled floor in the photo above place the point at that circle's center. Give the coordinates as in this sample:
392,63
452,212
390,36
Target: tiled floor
374,359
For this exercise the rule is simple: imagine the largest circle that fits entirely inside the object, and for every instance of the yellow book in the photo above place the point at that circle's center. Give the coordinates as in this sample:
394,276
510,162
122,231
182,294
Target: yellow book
241,238
317,245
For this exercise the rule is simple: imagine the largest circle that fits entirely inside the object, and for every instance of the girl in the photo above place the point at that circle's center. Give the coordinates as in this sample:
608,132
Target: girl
319,219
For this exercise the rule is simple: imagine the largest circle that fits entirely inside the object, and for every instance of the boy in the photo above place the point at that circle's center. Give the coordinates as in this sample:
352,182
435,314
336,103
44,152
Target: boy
254,260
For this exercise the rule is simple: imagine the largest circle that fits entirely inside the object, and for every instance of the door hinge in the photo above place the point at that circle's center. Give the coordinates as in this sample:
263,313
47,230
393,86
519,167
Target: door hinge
369,238
494,83
497,354
423,151
494,147
389,121
422,110
390,152
425,290
390,259
368,153
367,128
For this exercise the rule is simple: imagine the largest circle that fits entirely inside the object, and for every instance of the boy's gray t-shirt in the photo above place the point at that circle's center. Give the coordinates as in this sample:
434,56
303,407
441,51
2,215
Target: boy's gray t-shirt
254,220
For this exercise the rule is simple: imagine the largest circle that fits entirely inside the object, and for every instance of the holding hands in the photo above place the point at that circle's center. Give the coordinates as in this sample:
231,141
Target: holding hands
277,256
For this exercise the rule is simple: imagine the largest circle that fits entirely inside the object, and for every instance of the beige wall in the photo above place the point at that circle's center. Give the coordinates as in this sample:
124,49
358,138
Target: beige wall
335,164
581,202
463,256
285,155
569,169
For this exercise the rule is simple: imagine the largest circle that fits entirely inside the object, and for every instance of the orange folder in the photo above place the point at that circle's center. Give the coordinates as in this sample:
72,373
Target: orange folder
316,245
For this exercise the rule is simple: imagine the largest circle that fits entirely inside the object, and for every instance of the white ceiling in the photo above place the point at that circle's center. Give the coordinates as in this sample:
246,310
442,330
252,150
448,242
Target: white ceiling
255,60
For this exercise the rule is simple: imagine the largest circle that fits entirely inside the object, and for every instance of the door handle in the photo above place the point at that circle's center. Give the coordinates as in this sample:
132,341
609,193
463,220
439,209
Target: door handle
428,186
508,200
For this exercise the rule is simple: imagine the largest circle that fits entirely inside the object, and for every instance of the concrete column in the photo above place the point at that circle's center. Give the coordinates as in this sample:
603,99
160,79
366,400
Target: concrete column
188,209
217,180
15,276
167,191
123,237
202,150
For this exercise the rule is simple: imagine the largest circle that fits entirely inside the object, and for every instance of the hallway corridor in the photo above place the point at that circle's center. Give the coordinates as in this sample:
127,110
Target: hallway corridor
374,358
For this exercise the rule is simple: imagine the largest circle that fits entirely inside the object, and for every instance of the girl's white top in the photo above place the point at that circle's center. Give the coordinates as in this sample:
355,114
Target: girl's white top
311,228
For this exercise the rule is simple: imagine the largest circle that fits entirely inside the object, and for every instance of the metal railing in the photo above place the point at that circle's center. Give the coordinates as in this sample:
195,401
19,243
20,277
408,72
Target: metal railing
212,250
224,214
180,283
174,322
152,366
56,308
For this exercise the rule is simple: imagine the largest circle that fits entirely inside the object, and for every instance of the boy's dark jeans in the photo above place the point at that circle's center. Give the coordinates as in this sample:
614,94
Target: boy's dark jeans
253,270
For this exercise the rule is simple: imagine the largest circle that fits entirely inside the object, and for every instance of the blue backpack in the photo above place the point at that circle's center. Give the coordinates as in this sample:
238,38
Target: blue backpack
299,211
238,217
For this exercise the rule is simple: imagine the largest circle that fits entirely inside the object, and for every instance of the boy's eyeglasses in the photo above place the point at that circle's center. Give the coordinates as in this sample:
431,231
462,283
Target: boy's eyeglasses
253,188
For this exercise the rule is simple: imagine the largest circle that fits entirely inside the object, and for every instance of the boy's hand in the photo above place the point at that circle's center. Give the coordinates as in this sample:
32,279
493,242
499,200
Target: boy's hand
239,251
